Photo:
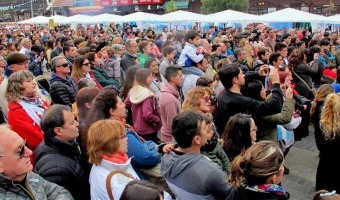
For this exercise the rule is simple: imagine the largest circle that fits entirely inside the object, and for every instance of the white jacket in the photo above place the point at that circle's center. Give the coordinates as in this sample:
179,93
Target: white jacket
118,182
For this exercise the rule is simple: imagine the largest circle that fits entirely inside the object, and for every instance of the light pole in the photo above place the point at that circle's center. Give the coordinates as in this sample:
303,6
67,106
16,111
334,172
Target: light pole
32,9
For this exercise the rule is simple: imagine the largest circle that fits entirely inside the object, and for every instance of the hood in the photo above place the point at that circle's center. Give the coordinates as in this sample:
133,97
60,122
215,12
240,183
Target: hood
168,88
138,94
173,164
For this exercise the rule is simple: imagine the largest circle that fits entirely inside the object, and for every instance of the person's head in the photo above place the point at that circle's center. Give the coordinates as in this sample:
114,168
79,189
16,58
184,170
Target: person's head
301,45
20,84
198,99
192,37
240,54
326,195
107,52
281,48
329,121
81,66
189,130
59,122
270,33
93,58
169,53
60,66
14,155
118,49
145,47
203,64
129,80
286,38
17,62
66,41
239,134
135,188
143,78
263,54
254,89
262,163
69,50
26,42
105,138
313,43
3,50
131,46
296,57
173,74
320,96
84,101
230,75
179,37
36,49
325,44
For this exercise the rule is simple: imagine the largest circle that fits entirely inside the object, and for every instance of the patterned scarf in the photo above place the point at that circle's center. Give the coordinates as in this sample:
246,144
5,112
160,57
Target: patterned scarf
266,188
123,120
35,100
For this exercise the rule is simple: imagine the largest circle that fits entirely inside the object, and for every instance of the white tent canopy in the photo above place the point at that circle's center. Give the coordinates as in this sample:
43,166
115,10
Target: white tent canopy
83,19
35,20
107,18
292,15
181,15
334,19
139,16
231,16
60,19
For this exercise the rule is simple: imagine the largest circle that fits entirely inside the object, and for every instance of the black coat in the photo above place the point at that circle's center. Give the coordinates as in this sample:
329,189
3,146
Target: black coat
319,139
244,194
63,91
59,162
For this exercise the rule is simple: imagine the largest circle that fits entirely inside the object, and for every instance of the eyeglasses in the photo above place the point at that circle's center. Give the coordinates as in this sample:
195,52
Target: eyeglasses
64,65
86,64
21,151
207,99
123,136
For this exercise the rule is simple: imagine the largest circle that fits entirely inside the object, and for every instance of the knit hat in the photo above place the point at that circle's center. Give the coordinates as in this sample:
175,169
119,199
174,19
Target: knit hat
16,58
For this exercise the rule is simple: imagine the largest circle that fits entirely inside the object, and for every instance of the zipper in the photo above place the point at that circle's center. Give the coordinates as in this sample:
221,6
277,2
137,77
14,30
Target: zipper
26,191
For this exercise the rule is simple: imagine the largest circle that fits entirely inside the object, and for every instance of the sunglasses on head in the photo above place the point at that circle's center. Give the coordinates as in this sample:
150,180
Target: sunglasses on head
64,65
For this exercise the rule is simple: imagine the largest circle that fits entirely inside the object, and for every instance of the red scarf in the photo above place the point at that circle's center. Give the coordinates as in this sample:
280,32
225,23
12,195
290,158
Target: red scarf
128,126
118,158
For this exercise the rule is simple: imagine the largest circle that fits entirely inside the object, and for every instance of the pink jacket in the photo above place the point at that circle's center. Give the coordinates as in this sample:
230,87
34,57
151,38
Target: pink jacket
145,114
169,104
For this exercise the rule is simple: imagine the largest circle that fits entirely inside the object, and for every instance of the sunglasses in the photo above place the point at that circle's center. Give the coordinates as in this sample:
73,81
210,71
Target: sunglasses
207,99
86,64
64,65
21,151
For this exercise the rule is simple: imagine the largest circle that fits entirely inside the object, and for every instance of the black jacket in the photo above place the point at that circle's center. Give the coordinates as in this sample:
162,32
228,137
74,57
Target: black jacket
127,61
244,194
59,162
63,91
229,104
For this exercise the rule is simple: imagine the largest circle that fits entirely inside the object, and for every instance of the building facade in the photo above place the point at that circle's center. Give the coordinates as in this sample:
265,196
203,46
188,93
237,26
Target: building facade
320,7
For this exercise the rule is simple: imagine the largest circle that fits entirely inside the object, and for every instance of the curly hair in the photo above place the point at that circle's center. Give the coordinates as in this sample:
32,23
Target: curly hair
15,90
191,102
320,97
330,116
295,58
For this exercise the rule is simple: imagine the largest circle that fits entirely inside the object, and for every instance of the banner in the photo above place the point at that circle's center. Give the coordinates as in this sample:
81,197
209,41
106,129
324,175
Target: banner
150,1
105,3
124,2
78,3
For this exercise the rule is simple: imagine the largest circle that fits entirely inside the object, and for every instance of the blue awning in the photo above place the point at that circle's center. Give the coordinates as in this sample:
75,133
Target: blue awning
183,4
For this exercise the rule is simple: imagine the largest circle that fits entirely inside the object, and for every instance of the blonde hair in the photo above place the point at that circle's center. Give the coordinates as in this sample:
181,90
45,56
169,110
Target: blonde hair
217,40
242,43
15,90
103,139
191,102
250,60
330,116
320,97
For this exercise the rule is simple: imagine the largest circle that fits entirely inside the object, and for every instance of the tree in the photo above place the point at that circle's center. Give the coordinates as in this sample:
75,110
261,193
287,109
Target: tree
213,6
171,7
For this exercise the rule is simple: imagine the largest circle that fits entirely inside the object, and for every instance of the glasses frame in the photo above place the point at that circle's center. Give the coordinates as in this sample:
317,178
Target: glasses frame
21,152
64,65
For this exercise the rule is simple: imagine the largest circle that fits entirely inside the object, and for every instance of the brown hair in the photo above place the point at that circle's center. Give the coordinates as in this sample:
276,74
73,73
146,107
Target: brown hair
320,97
103,139
85,96
77,72
295,58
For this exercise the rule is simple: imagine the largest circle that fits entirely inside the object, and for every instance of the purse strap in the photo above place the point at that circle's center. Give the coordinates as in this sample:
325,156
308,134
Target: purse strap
108,181
301,80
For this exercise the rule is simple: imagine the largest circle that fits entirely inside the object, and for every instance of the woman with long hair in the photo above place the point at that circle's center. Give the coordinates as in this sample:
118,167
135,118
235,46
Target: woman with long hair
316,109
107,149
84,101
48,50
25,108
327,174
239,134
257,173
143,103
158,79
82,69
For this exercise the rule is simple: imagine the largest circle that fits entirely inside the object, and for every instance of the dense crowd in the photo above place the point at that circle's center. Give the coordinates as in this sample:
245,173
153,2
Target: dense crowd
124,113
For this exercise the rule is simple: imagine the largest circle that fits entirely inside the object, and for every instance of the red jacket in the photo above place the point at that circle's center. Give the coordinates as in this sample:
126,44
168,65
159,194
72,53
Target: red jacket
24,125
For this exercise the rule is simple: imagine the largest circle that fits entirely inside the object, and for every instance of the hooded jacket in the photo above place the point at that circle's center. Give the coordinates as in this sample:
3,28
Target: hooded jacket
145,115
62,91
169,104
194,176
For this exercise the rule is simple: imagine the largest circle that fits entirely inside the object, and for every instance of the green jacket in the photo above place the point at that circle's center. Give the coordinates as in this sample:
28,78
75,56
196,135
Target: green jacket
219,157
103,79
36,188
142,58
267,125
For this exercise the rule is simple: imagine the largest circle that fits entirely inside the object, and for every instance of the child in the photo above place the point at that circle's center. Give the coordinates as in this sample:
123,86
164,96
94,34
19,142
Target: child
191,55
213,150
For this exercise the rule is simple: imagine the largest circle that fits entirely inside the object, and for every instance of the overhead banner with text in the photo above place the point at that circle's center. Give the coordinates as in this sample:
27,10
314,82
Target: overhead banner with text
78,3
150,1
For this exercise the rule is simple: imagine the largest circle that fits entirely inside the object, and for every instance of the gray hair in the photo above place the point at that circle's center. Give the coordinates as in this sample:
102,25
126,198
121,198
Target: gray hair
85,82
128,42
55,62
23,41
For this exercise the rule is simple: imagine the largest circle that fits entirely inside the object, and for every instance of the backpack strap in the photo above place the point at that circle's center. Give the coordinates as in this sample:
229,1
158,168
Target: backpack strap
108,181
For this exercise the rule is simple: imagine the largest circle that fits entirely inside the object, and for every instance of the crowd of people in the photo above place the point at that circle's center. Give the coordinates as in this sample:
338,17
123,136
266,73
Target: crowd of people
123,113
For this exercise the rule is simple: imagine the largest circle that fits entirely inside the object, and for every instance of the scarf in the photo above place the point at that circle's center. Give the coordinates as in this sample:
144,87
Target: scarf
132,55
123,120
34,107
266,188
118,158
